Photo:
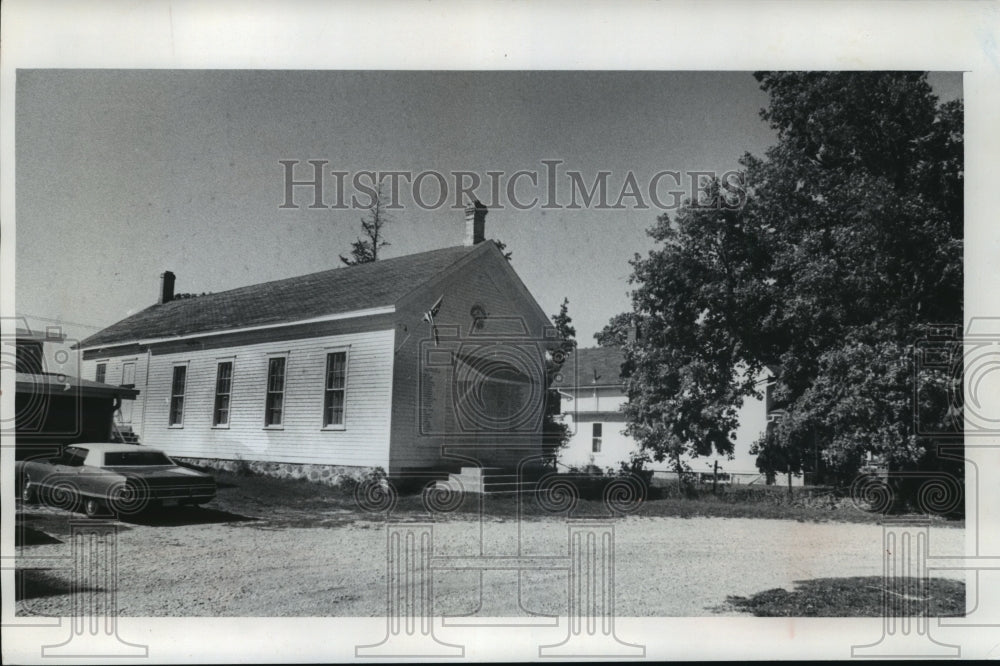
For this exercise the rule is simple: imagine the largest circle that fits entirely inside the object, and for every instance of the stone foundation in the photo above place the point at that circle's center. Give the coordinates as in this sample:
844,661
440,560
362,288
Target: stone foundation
330,475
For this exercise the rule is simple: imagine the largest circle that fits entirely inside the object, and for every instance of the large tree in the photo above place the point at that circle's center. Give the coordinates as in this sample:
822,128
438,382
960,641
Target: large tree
842,243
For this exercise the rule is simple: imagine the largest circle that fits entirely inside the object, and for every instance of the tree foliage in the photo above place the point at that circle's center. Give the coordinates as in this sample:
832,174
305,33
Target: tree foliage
555,433
366,248
563,323
503,249
848,242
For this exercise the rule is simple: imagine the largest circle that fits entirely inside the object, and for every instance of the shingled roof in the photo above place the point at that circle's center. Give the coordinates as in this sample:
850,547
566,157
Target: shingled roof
592,366
340,290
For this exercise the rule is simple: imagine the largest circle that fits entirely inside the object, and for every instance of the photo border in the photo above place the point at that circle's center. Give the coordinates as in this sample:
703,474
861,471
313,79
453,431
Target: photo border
937,36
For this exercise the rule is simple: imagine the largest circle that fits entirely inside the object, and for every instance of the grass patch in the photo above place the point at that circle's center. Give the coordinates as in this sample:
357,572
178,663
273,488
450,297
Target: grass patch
529,507
256,492
860,596
816,505
302,501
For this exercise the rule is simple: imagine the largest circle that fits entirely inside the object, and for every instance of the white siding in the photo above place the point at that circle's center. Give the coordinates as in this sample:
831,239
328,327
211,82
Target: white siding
113,376
363,441
616,447
594,400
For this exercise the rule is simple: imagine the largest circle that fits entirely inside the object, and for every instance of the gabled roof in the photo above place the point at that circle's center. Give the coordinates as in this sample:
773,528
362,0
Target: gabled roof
592,366
336,291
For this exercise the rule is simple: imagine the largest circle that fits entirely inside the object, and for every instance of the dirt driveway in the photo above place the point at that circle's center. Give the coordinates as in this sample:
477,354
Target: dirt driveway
215,562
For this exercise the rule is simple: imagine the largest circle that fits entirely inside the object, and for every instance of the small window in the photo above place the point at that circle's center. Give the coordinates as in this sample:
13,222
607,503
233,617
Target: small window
101,373
596,437
128,375
275,391
177,395
333,394
223,389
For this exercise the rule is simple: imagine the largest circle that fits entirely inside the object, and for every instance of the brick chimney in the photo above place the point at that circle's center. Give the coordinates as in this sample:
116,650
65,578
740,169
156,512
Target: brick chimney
475,223
166,287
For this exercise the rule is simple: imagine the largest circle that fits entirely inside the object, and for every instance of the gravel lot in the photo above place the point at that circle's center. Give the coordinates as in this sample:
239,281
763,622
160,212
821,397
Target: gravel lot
214,563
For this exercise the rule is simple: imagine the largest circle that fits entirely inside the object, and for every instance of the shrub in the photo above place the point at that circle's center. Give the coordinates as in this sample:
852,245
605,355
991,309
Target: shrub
375,476
591,481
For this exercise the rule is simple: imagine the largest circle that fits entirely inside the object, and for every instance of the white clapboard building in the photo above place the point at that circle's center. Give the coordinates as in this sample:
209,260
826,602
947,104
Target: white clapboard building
355,367
592,397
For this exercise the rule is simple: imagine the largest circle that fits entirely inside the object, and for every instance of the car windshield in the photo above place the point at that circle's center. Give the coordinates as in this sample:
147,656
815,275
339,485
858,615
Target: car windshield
116,458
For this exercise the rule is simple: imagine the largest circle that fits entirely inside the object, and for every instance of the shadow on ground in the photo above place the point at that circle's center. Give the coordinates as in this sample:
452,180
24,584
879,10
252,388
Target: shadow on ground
184,515
42,526
859,596
38,583
29,536
36,528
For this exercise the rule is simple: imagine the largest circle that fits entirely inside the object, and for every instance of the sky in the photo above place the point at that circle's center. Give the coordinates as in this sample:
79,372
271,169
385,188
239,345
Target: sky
123,174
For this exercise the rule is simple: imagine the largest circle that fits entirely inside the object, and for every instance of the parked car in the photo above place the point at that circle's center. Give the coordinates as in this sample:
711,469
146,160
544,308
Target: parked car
103,479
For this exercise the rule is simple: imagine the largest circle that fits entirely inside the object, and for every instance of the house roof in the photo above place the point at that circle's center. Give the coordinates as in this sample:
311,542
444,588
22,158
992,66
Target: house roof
339,290
591,366
51,334
605,415
54,384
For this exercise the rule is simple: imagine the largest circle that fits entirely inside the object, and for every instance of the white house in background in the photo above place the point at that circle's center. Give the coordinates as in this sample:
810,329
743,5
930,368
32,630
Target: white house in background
593,395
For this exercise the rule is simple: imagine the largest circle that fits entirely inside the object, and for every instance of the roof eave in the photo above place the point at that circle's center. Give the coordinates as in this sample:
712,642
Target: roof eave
354,314
82,391
580,387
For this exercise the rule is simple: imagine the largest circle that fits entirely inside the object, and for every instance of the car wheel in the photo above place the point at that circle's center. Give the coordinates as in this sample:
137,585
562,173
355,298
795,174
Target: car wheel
27,492
93,507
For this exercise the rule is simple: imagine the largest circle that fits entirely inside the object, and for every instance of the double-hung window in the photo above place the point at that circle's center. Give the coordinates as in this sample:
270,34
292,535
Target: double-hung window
177,395
335,389
596,436
223,392
275,391
101,373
